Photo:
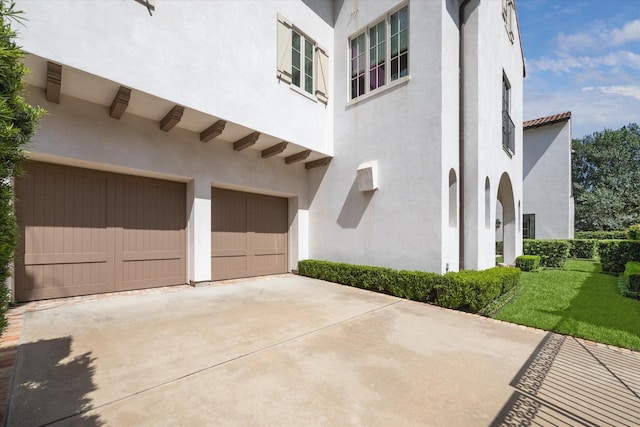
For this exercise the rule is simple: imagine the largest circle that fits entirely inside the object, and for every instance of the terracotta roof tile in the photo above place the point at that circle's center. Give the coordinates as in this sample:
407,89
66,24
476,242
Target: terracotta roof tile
543,121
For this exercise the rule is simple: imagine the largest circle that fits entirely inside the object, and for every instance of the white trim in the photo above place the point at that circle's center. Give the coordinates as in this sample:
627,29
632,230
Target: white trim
401,81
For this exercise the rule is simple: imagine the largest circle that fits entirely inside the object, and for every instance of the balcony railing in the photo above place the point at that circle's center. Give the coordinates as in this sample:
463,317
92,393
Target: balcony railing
508,133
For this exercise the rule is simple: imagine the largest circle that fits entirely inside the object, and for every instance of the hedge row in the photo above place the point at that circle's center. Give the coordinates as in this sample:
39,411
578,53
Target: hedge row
553,253
528,262
465,290
633,232
583,248
601,235
630,280
614,254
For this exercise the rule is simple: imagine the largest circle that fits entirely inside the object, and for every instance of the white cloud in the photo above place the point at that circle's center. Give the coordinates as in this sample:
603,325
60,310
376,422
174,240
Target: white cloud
628,33
566,63
598,38
630,91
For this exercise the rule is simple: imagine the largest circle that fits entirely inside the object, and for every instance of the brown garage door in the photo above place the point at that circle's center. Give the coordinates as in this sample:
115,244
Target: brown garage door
85,232
248,234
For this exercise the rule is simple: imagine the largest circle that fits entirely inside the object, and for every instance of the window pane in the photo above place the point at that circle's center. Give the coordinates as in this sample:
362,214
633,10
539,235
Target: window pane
361,43
381,52
394,23
308,67
361,85
381,31
373,40
361,64
354,48
404,18
394,69
404,65
295,59
295,74
404,42
308,84
372,57
394,46
296,41
308,49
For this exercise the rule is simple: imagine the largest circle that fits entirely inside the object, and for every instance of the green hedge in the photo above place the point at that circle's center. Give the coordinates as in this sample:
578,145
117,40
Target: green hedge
583,248
553,253
466,290
614,254
601,235
499,247
633,232
630,280
528,262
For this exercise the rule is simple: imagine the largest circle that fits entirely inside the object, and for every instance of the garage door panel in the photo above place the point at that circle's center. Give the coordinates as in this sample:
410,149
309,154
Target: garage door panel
248,234
150,243
76,222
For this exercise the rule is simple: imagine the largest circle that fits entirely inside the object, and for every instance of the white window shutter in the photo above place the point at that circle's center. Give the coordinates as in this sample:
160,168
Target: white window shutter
284,50
322,76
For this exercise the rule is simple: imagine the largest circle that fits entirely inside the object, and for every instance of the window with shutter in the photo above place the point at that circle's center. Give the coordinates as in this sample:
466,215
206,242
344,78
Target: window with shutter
301,63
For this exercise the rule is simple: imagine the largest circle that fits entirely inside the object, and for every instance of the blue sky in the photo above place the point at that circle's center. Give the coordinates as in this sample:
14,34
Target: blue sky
582,56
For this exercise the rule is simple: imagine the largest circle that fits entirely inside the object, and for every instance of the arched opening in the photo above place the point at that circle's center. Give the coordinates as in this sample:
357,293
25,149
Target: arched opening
487,203
453,199
509,219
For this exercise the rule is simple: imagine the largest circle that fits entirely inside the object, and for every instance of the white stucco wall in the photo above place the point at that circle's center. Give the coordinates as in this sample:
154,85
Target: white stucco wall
547,179
217,57
82,134
488,54
399,225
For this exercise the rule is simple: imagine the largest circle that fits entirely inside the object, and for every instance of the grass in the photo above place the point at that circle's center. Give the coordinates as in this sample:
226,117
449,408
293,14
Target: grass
579,301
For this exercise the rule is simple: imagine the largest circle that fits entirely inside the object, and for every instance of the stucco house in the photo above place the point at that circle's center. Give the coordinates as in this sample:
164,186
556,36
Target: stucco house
548,206
187,142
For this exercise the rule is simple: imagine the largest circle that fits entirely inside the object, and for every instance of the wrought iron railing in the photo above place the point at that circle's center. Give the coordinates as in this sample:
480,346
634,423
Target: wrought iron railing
508,133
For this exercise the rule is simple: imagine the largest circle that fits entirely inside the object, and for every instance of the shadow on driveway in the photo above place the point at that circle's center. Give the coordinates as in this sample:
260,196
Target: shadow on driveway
47,372
566,382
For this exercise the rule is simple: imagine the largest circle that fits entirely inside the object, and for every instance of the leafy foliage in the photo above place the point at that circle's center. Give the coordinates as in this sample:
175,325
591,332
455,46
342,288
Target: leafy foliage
606,179
583,248
528,262
553,253
631,280
614,254
466,290
18,122
601,235
633,232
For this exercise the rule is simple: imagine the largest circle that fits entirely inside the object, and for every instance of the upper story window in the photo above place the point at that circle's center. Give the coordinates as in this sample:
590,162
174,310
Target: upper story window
508,128
507,15
301,62
380,54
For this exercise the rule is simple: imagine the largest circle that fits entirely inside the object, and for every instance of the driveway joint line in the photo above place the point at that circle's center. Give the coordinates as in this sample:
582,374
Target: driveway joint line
224,362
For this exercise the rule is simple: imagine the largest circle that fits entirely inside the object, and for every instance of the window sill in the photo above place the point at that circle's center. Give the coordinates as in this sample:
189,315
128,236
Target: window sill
401,81
303,92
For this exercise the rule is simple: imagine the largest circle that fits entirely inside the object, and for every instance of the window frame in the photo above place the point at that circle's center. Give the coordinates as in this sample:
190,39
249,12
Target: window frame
529,224
366,32
304,39
285,56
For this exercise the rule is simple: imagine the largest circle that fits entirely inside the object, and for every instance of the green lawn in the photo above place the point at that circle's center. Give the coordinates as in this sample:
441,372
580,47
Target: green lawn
578,301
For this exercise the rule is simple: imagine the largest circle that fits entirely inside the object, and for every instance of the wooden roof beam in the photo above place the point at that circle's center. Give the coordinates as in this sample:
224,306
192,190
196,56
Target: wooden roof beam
54,82
172,118
317,163
120,102
274,150
212,131
246,142
298,157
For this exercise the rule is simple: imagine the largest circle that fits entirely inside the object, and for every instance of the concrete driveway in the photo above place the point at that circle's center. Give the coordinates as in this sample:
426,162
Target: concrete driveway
288,350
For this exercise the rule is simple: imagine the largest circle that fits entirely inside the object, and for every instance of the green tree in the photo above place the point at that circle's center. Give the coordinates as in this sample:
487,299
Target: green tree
606,179
18,122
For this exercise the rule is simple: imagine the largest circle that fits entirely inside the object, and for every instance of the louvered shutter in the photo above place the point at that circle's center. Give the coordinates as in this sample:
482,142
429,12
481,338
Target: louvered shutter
322,78
284,50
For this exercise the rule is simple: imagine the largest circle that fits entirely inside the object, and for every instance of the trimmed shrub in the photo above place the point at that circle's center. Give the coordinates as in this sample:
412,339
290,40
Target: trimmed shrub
633,232
583,248
614,254
528,262
630,280
499,247
466,290
601,235
417,285
553,253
